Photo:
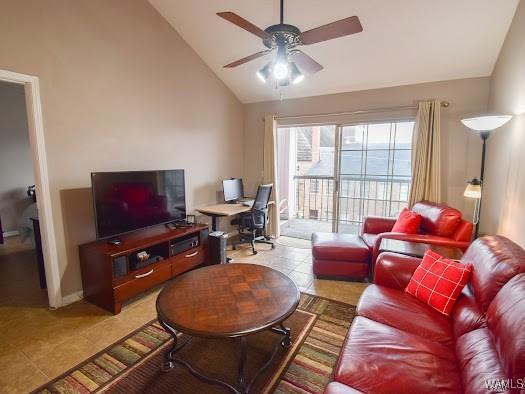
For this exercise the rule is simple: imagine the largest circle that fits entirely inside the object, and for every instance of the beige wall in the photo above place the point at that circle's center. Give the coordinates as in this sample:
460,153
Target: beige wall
461,149
120,90
16,165
503,208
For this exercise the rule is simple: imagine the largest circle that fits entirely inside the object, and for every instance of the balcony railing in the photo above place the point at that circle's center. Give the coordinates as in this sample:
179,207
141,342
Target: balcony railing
359,197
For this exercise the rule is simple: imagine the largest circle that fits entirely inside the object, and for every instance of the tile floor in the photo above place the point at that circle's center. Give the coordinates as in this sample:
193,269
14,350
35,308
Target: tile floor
37,344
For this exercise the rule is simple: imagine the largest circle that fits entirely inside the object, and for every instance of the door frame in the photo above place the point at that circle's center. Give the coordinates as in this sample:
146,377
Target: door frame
43,190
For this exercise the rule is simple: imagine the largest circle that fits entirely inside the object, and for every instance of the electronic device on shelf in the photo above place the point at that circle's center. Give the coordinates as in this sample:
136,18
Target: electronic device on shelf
132,200
182,245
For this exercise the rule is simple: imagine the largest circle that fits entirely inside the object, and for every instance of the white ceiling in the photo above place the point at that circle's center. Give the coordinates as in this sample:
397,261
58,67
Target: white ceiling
403,41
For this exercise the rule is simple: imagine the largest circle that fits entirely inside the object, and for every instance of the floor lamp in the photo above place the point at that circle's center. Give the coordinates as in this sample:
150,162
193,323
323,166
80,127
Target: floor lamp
482,125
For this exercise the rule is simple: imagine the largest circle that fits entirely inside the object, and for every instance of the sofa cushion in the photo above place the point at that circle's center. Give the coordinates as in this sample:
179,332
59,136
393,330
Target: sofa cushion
408,222
496,260
337,246
438,282
506,321
386,305
437,219
466,315
478,360
379,358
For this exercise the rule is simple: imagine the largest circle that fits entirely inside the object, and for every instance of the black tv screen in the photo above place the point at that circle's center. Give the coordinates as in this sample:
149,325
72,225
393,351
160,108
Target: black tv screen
131,200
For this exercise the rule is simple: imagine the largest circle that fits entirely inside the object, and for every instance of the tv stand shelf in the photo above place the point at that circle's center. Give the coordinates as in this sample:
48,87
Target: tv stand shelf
108,274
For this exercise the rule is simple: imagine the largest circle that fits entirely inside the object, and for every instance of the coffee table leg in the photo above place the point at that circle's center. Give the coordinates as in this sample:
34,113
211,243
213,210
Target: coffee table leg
242,361
286,342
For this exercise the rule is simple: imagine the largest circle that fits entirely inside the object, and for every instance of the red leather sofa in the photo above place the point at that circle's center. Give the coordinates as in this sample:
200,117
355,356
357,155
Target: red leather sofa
440,225
397,344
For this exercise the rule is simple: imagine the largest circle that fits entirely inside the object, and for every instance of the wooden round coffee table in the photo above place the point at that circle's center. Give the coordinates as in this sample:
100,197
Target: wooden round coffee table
227,301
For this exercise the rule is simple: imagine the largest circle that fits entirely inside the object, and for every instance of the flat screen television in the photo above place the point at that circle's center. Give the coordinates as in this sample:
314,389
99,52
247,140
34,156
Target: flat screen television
131,200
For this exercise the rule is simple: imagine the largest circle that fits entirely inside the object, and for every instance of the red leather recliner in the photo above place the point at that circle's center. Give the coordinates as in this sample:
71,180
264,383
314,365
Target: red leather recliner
397,344
440,225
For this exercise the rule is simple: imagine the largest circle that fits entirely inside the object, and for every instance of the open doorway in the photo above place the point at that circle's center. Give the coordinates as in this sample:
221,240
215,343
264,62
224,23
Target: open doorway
22,273
306,161
35,128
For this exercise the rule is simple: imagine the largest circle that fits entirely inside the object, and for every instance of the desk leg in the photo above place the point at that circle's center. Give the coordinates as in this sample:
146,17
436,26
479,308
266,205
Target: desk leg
214,223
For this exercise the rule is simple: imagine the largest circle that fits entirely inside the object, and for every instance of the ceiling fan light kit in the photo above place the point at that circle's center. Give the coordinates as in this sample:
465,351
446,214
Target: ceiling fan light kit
290,62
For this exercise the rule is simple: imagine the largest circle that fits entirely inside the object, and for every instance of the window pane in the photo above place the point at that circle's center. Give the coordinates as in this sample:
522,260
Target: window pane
353,137
402,163
351,162
379,135
377,162
404,131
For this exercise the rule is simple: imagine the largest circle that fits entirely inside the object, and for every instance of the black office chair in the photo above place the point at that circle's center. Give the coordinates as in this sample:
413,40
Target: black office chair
252,225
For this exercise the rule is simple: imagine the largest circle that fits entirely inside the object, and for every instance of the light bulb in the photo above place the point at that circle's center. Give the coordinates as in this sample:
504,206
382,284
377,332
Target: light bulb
280,70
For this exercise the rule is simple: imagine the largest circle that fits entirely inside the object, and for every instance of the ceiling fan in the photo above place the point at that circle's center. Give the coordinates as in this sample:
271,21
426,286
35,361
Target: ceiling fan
286,38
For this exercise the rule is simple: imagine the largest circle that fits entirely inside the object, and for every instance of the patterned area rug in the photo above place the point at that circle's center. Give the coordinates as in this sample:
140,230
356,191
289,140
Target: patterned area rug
133,364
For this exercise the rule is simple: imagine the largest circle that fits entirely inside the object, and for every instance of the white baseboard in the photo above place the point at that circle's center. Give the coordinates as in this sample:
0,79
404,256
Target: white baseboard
7,234
71,298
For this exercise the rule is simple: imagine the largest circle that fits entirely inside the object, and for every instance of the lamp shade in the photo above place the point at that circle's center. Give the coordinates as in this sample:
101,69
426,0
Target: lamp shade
473,190
486,123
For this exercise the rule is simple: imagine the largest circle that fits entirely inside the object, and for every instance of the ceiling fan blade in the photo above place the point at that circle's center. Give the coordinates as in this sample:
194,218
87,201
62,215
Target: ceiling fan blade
305,62
247,59
244,24
341,28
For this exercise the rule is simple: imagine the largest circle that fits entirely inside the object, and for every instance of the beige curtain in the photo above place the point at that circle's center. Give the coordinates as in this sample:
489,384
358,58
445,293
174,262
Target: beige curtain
270,172
426,156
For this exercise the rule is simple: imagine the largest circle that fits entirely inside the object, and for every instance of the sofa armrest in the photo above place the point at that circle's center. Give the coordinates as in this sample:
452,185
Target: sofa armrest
377,225
463,232
394,270
424,239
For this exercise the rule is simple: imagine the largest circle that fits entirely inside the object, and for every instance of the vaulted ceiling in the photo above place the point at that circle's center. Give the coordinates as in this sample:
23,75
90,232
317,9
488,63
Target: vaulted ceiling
403,41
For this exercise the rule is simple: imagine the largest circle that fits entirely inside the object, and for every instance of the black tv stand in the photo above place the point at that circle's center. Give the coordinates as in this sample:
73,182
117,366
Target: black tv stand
116,241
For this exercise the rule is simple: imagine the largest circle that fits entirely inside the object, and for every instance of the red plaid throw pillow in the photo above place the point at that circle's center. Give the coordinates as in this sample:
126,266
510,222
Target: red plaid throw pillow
438,281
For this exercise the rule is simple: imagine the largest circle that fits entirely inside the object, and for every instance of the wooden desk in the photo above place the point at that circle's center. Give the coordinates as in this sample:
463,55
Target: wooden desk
222,210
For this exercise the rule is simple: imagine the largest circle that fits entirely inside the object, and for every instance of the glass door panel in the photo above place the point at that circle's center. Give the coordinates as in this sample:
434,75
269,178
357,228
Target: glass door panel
374,172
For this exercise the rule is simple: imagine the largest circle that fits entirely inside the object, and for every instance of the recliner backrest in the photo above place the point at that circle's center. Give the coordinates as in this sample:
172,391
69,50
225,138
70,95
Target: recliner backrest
489,318
495,261
437,219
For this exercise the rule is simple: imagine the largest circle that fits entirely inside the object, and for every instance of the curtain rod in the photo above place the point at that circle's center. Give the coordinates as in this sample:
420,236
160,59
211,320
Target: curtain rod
444,104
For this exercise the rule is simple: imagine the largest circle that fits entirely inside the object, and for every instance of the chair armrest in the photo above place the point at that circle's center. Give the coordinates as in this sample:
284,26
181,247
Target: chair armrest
394,270
377,225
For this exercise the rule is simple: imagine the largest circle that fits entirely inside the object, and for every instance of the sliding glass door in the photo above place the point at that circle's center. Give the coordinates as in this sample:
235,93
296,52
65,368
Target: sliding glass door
332,176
